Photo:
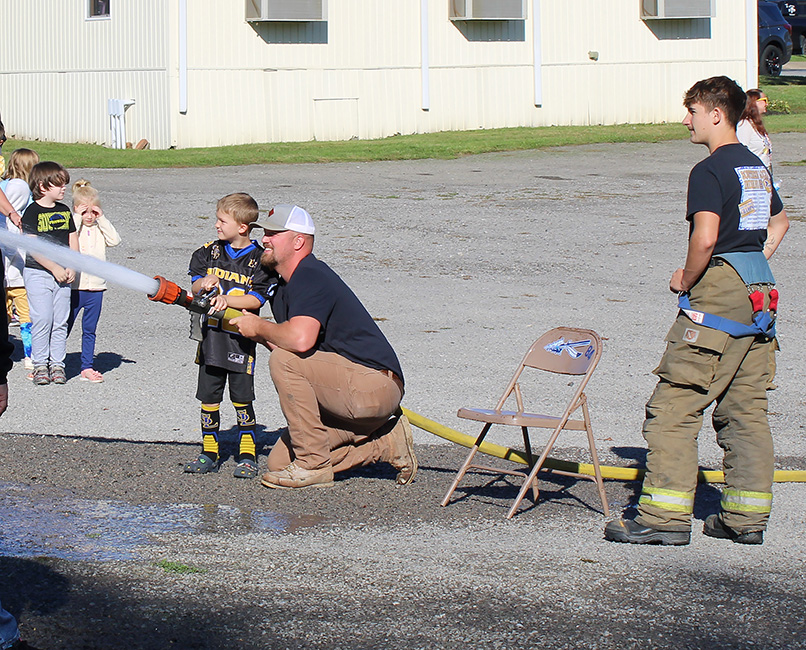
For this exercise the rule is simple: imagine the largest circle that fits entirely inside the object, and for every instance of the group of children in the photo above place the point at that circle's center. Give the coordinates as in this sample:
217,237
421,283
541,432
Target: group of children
43,297
46,298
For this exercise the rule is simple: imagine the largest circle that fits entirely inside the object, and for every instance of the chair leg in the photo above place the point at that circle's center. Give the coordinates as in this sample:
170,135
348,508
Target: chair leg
527,445
533,474
463,469
595,457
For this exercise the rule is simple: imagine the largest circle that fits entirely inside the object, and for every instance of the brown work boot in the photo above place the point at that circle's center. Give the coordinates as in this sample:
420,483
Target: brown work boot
295,476
401,450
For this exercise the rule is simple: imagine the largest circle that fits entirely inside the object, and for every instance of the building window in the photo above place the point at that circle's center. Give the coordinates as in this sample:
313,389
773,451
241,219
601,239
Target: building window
99,8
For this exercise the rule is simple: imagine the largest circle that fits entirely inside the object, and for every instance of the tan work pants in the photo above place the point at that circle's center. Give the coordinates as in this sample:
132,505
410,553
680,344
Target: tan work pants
335,409
700,367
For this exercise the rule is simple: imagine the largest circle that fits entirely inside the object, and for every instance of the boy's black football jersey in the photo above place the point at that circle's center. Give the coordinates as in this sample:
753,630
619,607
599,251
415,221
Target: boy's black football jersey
239,273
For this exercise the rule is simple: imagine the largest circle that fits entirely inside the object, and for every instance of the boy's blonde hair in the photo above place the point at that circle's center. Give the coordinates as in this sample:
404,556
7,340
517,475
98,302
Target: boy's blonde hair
20,163
46,174
85,194
240,206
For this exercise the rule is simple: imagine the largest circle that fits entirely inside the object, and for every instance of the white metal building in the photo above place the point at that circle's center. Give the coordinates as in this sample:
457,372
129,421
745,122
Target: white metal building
192,73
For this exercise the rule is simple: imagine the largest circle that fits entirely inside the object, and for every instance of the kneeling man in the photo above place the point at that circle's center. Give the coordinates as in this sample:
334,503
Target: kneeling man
338,380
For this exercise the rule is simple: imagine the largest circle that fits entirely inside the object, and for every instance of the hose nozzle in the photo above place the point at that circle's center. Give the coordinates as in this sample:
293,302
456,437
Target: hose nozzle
172,294
168,292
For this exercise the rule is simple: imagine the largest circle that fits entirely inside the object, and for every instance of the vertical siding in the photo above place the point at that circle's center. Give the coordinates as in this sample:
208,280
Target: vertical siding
356,75
361,70
646,64
50,50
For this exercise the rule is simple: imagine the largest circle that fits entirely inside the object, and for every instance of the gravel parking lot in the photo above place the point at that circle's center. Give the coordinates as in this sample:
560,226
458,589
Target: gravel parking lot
463,263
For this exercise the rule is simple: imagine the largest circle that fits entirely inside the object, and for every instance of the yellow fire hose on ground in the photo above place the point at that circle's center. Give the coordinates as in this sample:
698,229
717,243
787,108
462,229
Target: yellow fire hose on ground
171,294
617,473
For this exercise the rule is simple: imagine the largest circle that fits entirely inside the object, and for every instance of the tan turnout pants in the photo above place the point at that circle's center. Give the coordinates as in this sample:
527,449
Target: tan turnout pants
702,366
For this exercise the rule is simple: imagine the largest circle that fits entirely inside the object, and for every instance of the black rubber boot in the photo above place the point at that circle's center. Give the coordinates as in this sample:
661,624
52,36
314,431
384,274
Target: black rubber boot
714,527
631,532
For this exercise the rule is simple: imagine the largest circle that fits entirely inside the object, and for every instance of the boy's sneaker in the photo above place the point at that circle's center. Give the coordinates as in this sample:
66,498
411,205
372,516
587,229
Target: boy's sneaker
41,376
202,465
28,364
57,375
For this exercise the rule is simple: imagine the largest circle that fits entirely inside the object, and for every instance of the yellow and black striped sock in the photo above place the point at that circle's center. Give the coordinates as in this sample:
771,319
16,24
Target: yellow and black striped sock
210,424
246,427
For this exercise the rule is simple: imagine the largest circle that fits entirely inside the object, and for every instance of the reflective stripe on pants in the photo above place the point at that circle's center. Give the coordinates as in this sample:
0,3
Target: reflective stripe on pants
668,499
746,501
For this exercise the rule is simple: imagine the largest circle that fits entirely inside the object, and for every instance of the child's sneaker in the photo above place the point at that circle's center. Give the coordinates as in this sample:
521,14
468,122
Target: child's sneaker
28,364
41,376
89,374
57,375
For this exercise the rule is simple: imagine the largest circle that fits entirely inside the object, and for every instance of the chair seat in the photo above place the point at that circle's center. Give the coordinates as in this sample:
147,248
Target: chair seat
514,418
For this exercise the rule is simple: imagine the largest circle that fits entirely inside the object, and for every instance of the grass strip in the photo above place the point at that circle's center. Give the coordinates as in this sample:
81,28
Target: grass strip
788,91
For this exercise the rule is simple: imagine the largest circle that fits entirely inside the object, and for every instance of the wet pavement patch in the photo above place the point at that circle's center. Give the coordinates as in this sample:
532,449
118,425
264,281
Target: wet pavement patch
58,524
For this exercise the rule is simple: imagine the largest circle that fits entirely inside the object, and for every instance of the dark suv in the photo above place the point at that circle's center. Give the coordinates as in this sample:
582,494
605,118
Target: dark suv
794,12
774,39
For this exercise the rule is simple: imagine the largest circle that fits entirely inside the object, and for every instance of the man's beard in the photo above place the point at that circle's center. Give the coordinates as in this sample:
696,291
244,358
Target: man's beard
268,260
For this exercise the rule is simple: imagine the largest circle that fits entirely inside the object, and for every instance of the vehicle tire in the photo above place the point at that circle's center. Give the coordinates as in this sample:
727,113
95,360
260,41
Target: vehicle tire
770,62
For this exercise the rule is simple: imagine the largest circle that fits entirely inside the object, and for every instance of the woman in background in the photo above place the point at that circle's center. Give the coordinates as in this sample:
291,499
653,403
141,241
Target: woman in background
750,129
753,135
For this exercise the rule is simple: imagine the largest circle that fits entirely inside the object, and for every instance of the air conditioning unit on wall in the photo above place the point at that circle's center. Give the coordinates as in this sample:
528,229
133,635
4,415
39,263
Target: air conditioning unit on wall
666,9
285,10
487,9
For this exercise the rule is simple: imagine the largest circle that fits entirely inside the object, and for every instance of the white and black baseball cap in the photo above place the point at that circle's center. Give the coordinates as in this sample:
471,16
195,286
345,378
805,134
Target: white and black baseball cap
286,217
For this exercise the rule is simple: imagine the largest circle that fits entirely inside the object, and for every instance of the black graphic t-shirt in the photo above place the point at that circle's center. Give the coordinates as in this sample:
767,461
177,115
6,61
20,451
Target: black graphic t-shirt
54,224
733,183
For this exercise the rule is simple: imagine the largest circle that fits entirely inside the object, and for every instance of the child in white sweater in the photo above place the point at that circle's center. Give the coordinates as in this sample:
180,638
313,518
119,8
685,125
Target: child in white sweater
15,186
95,233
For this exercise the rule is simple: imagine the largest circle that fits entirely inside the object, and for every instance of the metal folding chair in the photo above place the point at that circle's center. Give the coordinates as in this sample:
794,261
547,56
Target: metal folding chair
562,350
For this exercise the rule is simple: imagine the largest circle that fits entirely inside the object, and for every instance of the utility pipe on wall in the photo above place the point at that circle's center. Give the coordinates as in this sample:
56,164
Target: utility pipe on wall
183,56
538,55
426,92
751,45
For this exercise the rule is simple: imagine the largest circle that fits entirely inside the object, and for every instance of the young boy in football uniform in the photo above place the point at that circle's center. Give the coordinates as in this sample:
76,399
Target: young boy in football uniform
230,265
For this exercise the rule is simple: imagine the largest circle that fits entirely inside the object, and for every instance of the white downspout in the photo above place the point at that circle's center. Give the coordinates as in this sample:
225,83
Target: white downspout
751,20
425,79
183,56
538,56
